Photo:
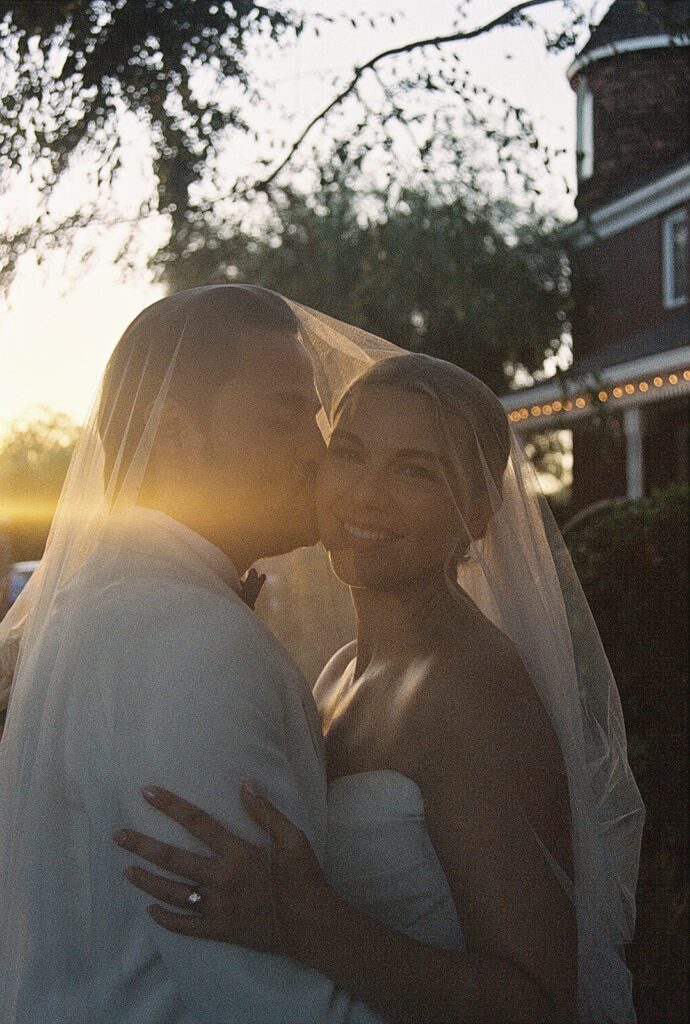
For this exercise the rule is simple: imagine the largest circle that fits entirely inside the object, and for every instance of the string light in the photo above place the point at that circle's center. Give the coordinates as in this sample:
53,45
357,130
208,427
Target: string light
581,401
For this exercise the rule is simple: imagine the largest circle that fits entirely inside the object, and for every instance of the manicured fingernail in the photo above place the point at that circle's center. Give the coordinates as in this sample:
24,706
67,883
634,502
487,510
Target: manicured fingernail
128,873
150,792
250,790
121,835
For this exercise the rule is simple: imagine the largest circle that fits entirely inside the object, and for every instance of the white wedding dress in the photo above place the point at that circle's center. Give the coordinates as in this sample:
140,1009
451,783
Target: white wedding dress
379,857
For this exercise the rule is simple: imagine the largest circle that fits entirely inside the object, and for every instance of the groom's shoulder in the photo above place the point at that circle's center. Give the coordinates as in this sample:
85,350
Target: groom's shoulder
151,607
186,644
143,615
158,606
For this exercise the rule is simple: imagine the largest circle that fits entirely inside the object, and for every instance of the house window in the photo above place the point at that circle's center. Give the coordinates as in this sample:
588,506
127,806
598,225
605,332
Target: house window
585,131
675,258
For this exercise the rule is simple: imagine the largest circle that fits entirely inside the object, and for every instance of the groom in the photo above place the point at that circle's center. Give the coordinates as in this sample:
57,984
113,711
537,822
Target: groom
174,681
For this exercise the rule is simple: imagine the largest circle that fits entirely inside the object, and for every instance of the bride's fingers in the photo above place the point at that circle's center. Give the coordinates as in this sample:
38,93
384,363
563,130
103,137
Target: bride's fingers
197,822
164,889
186,924
279,827
170,858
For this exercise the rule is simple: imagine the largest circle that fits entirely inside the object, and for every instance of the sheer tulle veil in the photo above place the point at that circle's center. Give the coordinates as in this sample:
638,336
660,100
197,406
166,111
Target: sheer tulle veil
516,568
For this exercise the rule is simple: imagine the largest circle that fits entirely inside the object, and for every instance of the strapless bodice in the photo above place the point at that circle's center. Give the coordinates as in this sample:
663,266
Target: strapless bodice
380,857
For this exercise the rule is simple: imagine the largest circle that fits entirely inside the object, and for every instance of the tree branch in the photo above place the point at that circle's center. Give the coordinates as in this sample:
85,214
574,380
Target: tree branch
502,19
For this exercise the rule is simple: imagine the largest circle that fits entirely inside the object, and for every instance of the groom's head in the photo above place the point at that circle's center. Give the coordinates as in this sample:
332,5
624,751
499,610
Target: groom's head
236,443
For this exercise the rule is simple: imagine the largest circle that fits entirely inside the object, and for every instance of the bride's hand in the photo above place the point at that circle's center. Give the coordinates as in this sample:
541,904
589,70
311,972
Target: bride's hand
257,896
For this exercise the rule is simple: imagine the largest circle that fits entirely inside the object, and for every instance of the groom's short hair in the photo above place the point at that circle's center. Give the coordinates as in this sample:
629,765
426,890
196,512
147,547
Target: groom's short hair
208,332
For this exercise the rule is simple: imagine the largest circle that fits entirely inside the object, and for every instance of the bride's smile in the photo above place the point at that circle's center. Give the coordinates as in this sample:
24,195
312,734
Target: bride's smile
384,508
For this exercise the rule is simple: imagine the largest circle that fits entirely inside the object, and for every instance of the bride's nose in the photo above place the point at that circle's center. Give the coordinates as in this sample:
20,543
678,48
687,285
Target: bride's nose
370,488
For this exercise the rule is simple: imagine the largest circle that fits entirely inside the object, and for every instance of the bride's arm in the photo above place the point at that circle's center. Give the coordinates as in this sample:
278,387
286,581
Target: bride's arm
519,958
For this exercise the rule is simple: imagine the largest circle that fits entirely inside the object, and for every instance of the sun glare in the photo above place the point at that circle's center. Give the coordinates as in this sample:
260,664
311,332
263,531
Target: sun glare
54,345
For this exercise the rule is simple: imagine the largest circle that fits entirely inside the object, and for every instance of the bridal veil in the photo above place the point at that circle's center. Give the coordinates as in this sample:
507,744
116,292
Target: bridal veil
518,572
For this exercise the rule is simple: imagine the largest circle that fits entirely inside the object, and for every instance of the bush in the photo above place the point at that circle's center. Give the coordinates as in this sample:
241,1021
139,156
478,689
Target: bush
34,457
632,560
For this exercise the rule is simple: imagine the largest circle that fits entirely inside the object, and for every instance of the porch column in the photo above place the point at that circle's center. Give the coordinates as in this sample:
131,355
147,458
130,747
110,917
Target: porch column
634,460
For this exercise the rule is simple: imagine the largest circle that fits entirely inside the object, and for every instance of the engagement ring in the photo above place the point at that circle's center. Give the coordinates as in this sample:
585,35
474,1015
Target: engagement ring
194,899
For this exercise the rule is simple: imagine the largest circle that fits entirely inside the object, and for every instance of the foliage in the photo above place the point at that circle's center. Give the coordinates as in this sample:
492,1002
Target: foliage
632,561
71,72
551,455
72,68
479,284
639,549
34,457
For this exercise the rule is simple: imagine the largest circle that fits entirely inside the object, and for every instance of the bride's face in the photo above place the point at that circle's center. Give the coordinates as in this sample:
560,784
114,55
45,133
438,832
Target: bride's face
386,516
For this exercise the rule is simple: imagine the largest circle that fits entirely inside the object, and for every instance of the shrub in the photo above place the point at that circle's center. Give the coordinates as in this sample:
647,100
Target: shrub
632,560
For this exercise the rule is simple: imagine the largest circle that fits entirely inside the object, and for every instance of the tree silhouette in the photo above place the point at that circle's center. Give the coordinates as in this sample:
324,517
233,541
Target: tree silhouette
70,73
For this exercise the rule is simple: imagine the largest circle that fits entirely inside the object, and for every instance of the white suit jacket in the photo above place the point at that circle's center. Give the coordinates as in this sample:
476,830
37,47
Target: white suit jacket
168,679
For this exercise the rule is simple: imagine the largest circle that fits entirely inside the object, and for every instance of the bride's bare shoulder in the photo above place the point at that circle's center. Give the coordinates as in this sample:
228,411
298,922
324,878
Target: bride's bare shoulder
332,673
482,693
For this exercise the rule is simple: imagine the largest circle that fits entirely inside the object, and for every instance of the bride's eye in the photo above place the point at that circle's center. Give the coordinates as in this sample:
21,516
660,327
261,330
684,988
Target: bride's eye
415,472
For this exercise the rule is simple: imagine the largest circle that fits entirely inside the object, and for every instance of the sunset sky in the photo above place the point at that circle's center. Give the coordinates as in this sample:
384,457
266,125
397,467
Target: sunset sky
61,321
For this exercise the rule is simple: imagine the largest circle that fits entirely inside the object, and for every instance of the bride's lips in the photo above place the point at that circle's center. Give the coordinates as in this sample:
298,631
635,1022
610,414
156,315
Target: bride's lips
365,536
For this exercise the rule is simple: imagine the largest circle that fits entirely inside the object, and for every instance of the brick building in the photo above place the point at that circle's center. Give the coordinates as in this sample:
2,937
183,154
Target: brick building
626,396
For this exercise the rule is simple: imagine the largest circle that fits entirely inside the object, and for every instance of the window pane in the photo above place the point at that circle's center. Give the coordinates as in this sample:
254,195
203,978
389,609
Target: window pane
585,131
679,258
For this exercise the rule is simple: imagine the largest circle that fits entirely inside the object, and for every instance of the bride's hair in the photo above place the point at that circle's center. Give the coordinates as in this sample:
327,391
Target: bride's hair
213,323
472,424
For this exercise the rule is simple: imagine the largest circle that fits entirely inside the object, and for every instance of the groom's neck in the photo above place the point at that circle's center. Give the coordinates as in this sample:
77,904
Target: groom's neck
207,524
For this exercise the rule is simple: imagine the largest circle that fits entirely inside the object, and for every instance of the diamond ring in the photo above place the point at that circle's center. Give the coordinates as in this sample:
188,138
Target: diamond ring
194,899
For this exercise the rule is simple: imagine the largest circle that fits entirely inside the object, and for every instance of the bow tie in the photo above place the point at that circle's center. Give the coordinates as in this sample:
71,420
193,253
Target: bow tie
250,587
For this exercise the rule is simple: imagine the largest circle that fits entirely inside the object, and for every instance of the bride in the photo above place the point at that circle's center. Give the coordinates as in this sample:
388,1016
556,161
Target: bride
484,825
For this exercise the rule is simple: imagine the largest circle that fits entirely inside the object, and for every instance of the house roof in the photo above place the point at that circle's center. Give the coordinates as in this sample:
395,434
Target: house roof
658,349
635,382
670,333
638,19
